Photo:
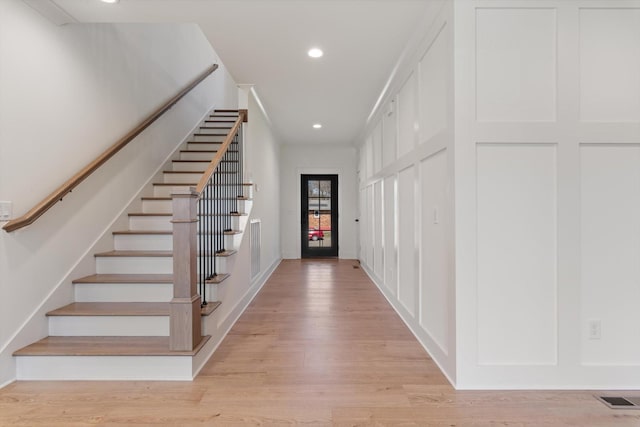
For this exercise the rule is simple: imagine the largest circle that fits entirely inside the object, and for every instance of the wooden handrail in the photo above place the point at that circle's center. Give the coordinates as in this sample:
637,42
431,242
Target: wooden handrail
48,202
221,152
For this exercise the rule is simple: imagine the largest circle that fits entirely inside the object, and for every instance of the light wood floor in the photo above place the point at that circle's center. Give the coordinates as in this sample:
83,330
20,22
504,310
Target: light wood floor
318,346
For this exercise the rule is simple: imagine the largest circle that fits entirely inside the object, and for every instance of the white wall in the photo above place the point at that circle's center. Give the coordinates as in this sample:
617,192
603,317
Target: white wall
547,203
296,160
263,169
67,94
406,237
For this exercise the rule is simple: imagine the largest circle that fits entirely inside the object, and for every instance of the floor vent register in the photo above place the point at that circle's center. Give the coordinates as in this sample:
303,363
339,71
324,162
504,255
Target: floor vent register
619,402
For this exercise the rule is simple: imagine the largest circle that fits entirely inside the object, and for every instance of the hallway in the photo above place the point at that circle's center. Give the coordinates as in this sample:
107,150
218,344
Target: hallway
319,345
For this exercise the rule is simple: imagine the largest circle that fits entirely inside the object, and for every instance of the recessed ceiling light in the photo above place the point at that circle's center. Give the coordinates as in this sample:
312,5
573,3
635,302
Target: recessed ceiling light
110,1
315,52
317,126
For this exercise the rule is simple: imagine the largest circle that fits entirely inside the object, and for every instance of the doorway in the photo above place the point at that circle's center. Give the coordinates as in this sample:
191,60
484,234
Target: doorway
319,196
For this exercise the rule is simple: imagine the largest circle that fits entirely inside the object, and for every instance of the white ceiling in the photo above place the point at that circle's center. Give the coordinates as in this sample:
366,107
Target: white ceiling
264,42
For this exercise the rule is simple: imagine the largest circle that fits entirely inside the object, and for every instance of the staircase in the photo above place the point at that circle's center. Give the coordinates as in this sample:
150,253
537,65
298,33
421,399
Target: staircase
119,325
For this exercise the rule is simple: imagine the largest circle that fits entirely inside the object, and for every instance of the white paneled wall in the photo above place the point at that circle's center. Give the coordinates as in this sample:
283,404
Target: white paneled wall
547,193
435,278
516,65
378,231
406,202
507,195
407,289
407,106
609,65
390,235
610,249
517,223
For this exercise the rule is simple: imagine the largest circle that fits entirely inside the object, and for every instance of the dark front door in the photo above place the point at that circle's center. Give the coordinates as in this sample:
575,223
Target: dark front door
319,215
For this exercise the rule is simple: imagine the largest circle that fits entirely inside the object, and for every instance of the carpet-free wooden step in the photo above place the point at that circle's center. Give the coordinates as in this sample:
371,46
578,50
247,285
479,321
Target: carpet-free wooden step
163,233
218,278
105,346
125,278
127,254
122,309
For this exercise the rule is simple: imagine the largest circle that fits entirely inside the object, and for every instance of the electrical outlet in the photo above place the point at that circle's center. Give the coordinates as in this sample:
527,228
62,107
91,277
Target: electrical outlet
594,330
5,211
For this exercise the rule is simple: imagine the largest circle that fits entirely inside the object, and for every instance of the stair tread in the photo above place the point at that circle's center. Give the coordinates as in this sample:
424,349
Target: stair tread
112,309
154,214
227,253
105,346
166,199
126,278
175,184
161,233
183,172
135,254
122,309
143,232
210,308
198,151
218,279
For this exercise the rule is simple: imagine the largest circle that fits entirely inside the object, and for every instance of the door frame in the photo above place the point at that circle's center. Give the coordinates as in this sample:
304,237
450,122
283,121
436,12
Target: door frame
333,250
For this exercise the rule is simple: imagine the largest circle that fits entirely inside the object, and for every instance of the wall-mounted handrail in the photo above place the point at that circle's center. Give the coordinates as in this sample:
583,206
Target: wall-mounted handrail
38,210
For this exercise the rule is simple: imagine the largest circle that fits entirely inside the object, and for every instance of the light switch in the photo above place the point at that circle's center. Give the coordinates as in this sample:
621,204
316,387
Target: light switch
5,211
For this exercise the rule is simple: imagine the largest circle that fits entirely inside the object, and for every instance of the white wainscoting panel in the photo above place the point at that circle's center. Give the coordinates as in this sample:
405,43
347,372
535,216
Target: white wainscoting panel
390,235
369,228
378,231
517,254
610,65
389,133
610,249
376,144
407,116
407,271
434,81
516,65
434,277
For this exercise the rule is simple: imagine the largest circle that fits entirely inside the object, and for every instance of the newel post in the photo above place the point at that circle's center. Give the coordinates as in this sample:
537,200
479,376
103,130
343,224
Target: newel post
185,321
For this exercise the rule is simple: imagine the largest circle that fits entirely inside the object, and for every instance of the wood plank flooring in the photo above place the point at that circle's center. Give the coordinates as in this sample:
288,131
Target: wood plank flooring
318,346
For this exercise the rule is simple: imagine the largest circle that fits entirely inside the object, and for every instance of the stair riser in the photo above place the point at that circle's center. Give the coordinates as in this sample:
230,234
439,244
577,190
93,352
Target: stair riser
157,206
166,190
197,156
132,292
155,223
108,326
143,242
184,167
153,242
186,178
123,292
143,265
104,368
209,137
163,223
166,206
134,265
204,146
214,133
